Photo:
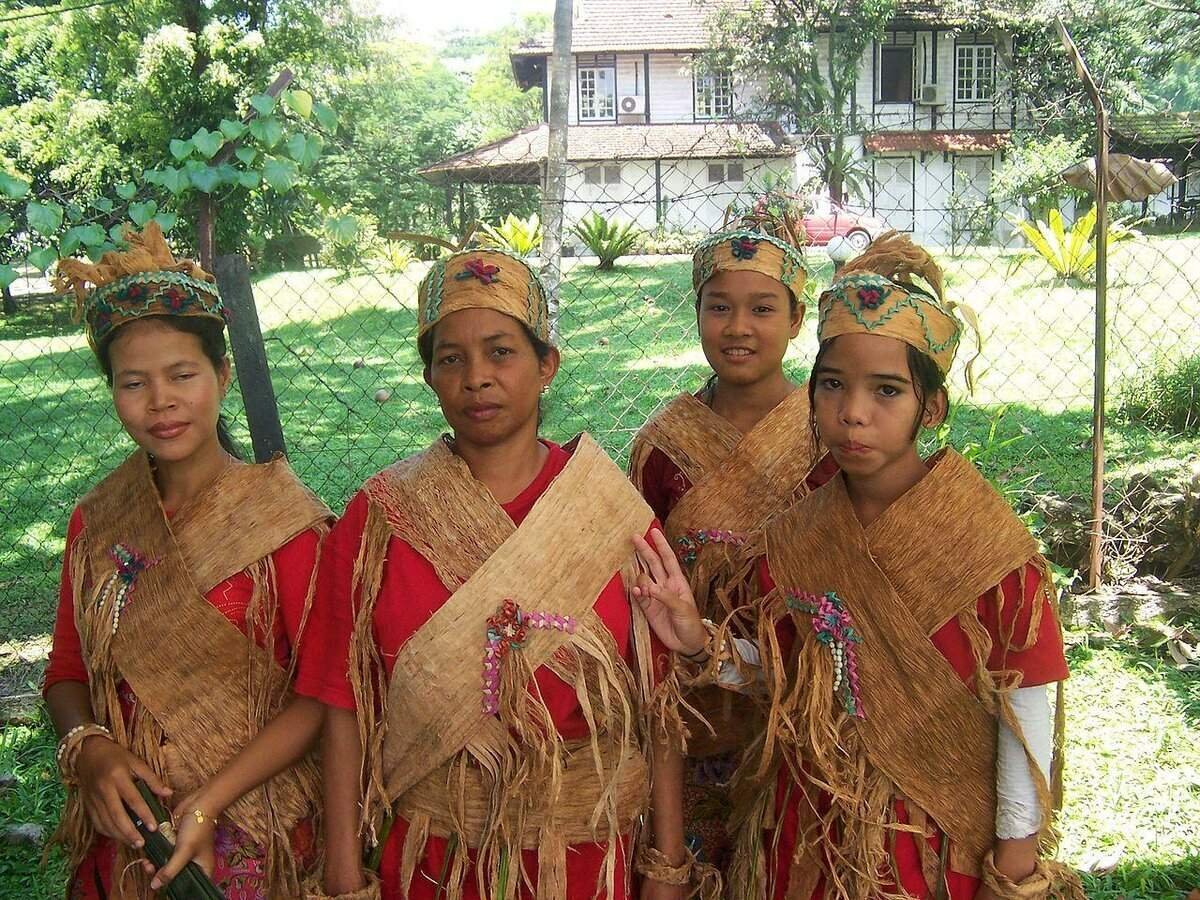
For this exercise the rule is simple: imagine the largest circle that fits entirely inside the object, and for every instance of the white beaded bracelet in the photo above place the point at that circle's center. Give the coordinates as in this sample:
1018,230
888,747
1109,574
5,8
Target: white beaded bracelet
69,746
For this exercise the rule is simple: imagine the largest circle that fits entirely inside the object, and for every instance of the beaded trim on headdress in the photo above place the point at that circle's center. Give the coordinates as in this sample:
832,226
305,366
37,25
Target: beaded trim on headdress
746,249
483,279
145,280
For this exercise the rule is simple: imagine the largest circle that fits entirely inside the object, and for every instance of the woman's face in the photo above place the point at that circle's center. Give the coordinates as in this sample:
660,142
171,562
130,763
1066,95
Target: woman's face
865,403
487,376
746,321
166,391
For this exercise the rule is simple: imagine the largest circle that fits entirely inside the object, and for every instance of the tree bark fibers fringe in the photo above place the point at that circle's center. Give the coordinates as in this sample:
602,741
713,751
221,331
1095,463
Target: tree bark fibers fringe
495,785
203,688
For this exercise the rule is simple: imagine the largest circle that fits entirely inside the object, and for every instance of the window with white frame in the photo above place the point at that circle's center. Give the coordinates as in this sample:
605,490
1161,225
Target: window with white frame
597,93
974,72
714,94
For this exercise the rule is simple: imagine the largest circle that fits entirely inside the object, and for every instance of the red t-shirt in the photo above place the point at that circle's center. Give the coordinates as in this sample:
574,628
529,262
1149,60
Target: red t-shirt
1043,663
410,593
294,563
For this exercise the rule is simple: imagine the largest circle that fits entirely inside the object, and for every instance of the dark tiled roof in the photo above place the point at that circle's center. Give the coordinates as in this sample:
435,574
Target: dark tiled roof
1158,129
936,141
517,158
609,26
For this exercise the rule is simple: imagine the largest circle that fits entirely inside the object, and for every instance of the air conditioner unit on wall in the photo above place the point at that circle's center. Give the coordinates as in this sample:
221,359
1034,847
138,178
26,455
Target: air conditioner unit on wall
932,95
633,105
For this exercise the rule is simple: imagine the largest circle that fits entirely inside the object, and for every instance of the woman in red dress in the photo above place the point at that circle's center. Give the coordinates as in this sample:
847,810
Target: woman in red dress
186,579
495,706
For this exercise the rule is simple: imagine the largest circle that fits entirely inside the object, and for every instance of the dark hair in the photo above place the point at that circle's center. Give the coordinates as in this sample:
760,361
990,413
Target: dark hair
212,342
927,380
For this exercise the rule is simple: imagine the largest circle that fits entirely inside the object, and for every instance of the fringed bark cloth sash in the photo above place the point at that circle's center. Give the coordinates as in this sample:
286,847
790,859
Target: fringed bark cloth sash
738,483
203,688
892,718
500,751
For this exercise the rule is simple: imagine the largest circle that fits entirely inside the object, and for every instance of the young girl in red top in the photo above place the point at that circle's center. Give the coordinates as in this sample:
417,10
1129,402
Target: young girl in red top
185,583
907,636
494,710
715,466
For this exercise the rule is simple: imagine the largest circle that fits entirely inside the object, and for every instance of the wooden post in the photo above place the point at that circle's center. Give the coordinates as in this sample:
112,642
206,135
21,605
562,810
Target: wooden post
250,356
554,181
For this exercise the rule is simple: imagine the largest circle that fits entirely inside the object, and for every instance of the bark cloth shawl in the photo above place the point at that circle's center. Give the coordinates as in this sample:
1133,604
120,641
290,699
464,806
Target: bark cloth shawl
203,689
738,483
501,783
924,736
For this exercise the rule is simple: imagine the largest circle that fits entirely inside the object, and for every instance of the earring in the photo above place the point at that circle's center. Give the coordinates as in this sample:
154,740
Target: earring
545,388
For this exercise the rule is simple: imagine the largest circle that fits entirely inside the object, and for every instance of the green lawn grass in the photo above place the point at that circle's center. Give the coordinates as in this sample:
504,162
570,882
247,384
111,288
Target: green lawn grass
628,341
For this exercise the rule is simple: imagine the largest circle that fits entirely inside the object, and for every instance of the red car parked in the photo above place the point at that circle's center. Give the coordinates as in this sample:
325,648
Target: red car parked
825,220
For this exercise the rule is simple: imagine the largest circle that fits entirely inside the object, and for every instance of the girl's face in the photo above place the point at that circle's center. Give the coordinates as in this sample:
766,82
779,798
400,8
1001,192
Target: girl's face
166,391
487,376
745,321
865,404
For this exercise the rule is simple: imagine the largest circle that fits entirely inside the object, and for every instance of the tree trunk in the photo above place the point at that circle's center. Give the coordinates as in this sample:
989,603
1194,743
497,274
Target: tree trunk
554,185
10,303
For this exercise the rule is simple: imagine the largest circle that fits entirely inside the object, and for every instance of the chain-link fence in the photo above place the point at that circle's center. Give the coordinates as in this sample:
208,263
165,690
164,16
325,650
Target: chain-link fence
338,322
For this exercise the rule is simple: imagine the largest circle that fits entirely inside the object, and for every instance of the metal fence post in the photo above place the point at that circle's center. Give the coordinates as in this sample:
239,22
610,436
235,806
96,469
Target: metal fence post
250,356
1096,537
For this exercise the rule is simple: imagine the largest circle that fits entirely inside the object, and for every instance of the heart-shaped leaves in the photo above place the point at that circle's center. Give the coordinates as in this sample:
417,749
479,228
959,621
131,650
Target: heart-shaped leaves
7,276
248,180
44,218
181,150
174,180
6,224
267,132
141,213
43,258
281,174
208,142
305,149
299,102
127,191
326,117
263,104
232,130
246,154
205,179
166,221
13,188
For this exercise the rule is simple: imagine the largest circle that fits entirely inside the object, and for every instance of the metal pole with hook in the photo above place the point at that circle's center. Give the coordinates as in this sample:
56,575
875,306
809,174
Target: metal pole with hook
1096,542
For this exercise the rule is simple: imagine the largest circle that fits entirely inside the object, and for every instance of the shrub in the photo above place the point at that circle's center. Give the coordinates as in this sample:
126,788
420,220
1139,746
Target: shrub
664,241
1070,253
1166,396
520,236
607,239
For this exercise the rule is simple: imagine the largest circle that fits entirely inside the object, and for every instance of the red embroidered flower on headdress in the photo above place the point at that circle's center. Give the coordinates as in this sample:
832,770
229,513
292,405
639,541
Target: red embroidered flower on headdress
477,268
743,248
869,298
174,299
135,292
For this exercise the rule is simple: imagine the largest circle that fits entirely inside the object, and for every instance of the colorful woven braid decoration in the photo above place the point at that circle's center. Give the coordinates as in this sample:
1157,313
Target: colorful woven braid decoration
130,564
689,544
507,631
834,628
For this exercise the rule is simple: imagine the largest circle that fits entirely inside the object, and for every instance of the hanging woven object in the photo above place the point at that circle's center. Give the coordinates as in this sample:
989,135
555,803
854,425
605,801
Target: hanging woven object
1129,178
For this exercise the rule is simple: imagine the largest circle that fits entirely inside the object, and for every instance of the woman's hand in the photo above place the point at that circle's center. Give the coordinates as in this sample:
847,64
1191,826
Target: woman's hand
106,773
195,839
666,597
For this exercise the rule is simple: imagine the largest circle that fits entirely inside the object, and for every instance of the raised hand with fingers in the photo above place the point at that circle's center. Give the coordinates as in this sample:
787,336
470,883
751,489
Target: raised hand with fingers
106,772
666,597
195,840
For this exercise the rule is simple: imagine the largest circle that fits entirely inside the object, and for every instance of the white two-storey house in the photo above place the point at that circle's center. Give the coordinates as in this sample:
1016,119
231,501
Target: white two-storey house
658,136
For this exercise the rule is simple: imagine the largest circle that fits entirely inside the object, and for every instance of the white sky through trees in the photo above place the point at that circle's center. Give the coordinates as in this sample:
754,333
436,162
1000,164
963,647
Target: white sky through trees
426,19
